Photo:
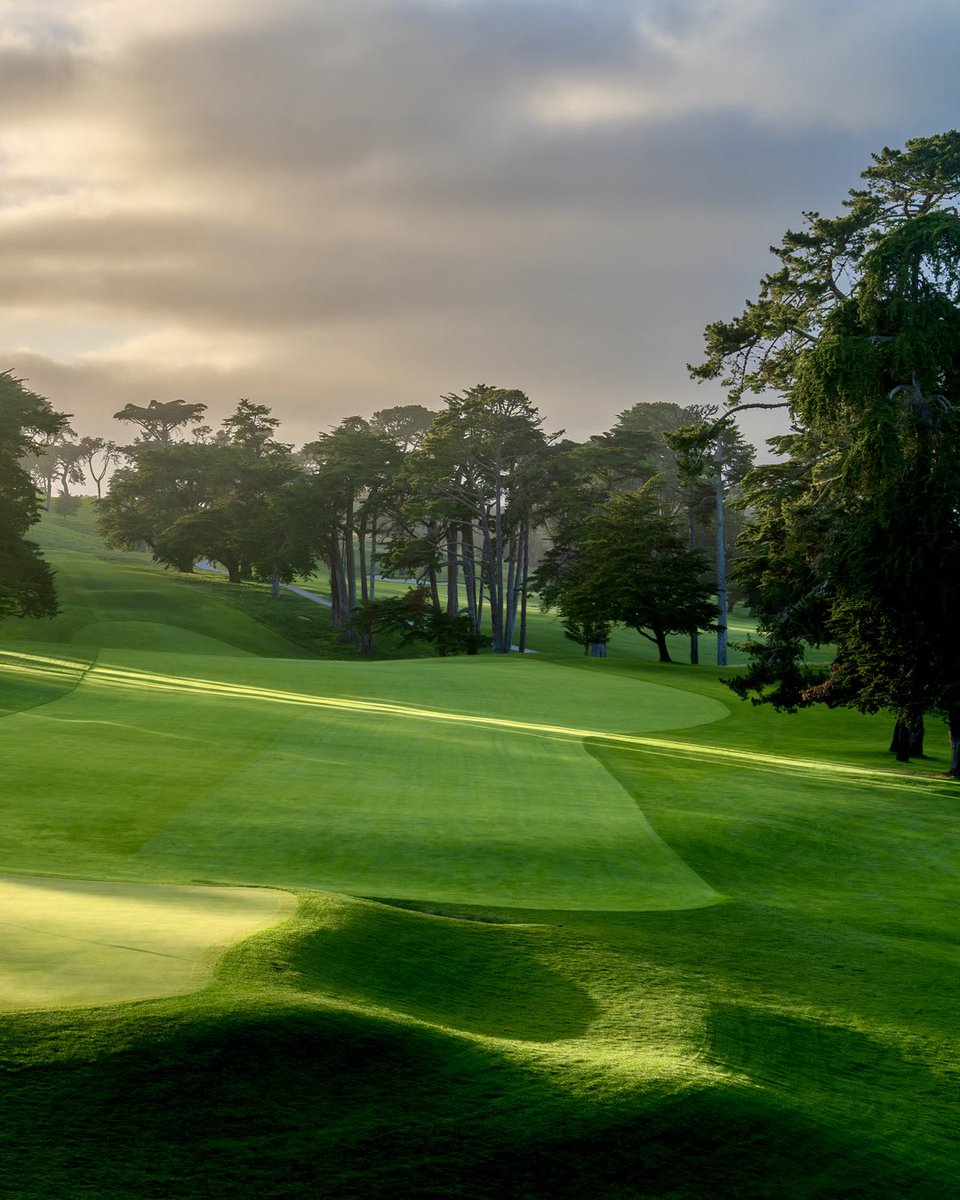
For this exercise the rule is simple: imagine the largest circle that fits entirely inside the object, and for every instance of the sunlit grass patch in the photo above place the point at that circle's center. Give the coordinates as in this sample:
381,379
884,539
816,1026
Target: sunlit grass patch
72,942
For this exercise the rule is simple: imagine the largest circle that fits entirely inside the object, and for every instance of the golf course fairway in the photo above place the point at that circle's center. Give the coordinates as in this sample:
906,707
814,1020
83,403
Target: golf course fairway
534,926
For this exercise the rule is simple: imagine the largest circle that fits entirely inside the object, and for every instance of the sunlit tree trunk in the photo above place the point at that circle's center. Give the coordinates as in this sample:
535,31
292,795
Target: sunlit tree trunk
362,557
525,576
453,574
953,720
695,636
371,592
470,572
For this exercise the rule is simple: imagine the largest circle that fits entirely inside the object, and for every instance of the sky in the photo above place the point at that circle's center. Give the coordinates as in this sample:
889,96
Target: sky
335,206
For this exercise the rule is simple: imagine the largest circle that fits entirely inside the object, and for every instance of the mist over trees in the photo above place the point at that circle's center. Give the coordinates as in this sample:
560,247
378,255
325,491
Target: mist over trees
462,502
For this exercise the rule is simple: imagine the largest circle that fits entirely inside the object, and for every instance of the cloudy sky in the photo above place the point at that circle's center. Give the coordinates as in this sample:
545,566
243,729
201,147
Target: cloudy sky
333,206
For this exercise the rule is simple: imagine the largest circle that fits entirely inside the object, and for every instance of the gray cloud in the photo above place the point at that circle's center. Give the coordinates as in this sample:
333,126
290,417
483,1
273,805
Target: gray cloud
334,207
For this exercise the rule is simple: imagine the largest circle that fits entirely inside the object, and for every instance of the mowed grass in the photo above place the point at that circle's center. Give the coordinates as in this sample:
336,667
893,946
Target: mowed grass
466,781
71,941
749,990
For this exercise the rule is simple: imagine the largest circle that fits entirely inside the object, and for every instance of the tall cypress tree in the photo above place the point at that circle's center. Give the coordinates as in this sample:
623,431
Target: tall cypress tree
853,539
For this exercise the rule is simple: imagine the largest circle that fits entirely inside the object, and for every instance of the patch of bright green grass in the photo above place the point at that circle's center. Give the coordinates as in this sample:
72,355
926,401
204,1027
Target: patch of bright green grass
73,941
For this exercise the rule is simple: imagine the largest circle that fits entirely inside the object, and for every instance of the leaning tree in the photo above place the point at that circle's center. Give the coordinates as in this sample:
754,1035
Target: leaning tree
853,536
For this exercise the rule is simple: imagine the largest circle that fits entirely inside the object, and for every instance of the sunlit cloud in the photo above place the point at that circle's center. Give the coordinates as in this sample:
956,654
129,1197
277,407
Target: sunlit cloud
393,199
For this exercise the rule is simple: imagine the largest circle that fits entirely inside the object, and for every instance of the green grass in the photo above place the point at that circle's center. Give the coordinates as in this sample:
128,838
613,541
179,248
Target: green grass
622,935
71,941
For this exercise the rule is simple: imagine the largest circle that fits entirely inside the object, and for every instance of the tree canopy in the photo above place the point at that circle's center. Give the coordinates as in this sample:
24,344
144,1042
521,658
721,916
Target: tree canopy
853,538
629,564
27,424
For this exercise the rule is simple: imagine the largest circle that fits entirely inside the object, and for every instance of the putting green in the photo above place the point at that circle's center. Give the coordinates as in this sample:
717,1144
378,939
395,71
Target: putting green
79,942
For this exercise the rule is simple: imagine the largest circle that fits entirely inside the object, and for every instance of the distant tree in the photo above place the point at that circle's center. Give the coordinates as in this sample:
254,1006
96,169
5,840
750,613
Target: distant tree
69,465
404,424
630,564
42,462
473,484
90,450
238,499
159,485
66,505
712,459
27,424
413,618
351,468
159,420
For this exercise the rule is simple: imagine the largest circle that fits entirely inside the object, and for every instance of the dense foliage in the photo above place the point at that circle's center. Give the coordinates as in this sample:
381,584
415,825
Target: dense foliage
27,422
853,538
462,503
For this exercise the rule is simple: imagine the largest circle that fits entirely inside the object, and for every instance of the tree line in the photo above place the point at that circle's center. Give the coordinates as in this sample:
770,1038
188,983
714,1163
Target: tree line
459,501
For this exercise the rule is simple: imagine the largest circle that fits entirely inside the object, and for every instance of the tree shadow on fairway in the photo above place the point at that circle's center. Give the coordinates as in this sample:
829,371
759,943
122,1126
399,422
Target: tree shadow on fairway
289,1103
461,975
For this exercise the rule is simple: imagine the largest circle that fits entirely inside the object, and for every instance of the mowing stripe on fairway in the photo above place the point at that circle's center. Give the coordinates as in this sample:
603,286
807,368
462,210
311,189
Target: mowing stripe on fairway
144,680
79,942
185,784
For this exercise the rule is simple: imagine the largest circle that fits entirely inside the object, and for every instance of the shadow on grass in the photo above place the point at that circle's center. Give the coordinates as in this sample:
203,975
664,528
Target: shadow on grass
291,1102
457,974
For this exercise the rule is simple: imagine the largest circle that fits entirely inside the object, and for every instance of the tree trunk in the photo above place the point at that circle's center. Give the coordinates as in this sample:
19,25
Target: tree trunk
524,580
661,640
512,595
721,562
453,582
907,741
497,614
695,636
488,574
233,570
371,593
337,593
362,548
953,720
348,557
275,583
470,573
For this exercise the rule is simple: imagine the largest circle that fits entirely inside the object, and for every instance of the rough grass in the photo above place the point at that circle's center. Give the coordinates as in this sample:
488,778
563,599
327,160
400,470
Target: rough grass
797,1040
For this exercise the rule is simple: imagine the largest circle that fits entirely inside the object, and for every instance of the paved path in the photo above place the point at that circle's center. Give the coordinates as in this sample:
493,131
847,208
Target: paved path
309,595
206,566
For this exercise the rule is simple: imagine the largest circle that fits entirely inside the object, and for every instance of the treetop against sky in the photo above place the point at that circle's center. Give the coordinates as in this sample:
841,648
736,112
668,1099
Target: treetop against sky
337,208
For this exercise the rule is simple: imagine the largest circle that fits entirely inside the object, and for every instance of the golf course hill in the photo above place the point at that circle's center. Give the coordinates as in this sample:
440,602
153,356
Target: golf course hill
280,921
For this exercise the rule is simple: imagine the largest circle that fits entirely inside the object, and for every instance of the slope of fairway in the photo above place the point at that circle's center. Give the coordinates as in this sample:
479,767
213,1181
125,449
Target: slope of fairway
71,941
463,781
105,598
